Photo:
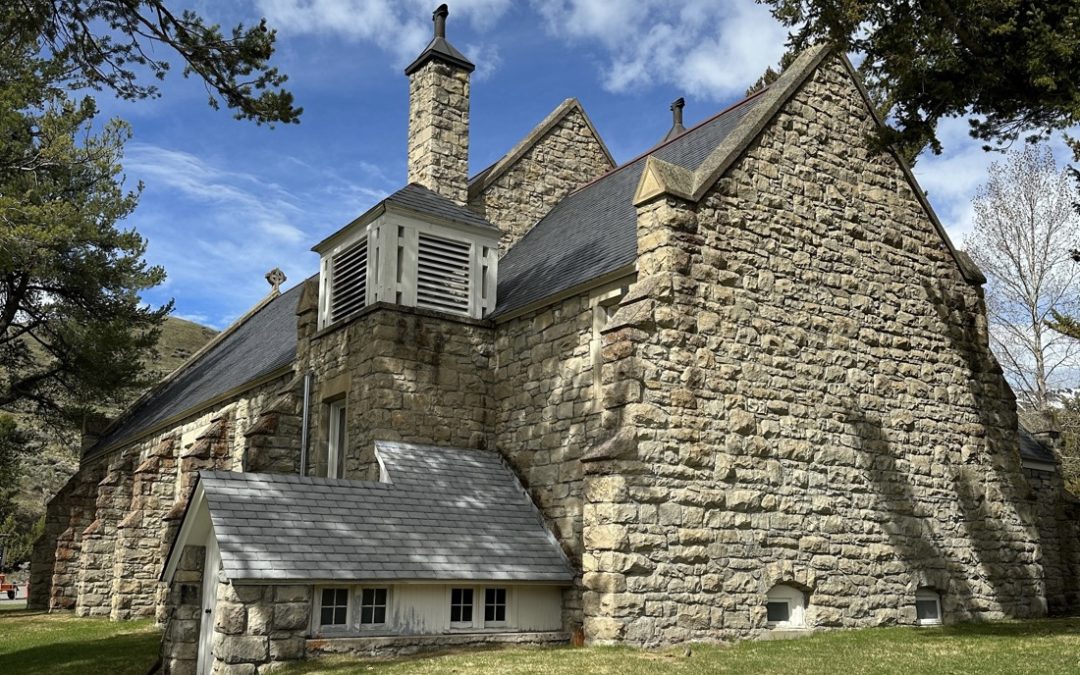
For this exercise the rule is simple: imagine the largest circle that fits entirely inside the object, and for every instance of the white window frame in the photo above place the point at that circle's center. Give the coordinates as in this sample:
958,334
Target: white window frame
506,607
360,608
461,625
316,620
928,595
337,437
796,605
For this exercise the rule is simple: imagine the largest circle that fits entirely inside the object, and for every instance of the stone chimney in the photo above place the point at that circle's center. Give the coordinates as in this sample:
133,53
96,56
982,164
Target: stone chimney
439,116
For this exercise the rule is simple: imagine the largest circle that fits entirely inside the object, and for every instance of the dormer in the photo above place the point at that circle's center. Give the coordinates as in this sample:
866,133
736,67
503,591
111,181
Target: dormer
416,248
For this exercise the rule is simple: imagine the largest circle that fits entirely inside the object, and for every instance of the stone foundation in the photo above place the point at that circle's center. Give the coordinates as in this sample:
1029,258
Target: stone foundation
258,627
401,645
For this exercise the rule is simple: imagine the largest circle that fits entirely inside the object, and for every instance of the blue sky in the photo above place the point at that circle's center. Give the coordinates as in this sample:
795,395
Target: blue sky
225,200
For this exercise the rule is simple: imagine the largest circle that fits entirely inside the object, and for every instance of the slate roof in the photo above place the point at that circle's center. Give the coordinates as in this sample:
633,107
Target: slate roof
1032,449
446,514
422,200
593,231
263,343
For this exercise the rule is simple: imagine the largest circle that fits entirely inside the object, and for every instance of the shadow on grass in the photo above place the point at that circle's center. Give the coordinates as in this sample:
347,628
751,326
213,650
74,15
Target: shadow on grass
72,647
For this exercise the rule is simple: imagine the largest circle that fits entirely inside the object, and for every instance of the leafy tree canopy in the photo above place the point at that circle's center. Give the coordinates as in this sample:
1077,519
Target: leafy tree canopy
110,44
1012,67
72,325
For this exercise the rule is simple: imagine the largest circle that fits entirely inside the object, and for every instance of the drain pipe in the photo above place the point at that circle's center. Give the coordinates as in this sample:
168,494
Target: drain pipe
305,419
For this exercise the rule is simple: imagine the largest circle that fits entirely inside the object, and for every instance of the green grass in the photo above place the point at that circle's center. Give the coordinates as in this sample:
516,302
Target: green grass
35,643
1046,647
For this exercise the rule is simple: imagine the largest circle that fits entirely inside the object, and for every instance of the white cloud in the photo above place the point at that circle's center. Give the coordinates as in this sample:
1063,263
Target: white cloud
400,27
709,49
208,225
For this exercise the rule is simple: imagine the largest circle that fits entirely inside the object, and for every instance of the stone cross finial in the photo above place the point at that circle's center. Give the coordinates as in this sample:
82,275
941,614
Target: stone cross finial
275,278
439,17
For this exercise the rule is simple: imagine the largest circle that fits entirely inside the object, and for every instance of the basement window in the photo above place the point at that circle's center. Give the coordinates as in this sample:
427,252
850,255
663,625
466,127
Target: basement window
334,608
785,607
927,607
372,606
494,606
461,607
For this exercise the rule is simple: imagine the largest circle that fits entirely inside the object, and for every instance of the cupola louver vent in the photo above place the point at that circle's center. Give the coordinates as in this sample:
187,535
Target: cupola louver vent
442,280
349,281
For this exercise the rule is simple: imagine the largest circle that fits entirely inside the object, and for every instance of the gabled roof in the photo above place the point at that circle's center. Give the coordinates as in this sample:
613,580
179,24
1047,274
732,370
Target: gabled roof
481,181
444,515
259,344
593,231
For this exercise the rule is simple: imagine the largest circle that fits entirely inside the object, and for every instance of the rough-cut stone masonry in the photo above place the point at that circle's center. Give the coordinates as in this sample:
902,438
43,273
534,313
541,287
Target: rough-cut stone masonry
369,647
183,613
108,530
547,415
568,156
408,375
801,391
439,129
258,627
1058,514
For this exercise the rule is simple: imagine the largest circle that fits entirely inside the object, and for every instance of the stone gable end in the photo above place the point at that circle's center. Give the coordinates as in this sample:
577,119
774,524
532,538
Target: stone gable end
801,392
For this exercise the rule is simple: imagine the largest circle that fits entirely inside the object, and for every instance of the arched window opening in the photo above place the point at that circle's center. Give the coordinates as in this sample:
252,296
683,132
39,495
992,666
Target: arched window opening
785,607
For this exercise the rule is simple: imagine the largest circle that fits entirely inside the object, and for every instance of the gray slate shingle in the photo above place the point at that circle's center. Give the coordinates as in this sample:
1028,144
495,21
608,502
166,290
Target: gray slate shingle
593,232
259,346
419,198
447,514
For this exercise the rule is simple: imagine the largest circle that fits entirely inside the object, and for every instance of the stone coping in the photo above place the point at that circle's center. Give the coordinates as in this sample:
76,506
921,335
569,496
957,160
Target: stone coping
389,645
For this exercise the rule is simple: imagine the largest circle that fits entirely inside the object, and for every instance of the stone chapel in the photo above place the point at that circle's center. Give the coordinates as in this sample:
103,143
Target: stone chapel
737,386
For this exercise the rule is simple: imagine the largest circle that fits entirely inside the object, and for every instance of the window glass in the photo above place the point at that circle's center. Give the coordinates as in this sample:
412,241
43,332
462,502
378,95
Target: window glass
777,611
495,604
927,606
461,605
336,452
372,606
334,608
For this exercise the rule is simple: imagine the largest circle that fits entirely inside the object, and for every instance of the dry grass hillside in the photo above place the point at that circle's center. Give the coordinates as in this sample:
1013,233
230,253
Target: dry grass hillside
55,455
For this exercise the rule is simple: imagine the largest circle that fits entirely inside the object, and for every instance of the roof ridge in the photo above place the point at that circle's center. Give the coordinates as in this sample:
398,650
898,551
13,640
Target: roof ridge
493,171
163,383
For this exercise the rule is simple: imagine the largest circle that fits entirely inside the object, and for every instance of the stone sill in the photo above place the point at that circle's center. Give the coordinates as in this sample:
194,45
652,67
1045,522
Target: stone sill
385,645
401,309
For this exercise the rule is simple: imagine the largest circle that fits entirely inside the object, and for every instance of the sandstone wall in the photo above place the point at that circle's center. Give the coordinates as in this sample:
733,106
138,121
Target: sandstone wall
1058,518
563,159
183,614
802,392
439,129
407,375
109,529
547,414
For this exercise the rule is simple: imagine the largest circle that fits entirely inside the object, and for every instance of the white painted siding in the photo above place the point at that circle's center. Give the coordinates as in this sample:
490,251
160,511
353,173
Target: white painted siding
424,609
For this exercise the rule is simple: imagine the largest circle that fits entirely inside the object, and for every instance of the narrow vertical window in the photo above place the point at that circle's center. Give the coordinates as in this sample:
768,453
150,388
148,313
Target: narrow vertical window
461,605
335,456
334,607
372,606
494,605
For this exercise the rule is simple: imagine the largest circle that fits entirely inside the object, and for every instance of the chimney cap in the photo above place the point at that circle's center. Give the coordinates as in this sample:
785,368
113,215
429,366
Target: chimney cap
439,48
677,129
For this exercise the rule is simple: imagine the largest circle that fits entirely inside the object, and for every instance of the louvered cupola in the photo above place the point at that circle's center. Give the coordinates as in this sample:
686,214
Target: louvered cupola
420,247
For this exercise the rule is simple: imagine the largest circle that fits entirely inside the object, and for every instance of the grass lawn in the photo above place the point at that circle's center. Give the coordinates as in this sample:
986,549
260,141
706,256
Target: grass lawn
35,643
1046,647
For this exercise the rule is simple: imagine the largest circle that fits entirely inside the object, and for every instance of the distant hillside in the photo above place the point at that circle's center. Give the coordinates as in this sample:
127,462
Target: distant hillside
179,340
54,456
